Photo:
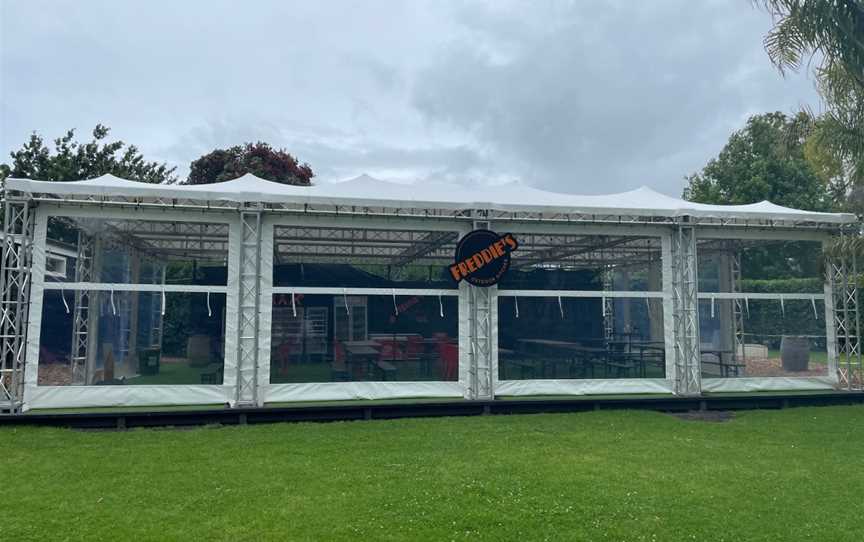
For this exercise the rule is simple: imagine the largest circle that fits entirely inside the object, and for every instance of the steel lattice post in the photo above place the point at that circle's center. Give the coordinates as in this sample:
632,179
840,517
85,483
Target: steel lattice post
738,304
156,319
480,306
836,280
856,378
688,379
15,269
84,299
480,370
843,278
608,305
248,308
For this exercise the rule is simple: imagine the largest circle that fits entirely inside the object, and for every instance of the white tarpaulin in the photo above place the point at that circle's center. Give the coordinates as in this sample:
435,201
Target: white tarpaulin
367,191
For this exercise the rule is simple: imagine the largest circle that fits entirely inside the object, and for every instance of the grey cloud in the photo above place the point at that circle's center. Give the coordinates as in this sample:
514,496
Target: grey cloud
575,96
606,98
333,154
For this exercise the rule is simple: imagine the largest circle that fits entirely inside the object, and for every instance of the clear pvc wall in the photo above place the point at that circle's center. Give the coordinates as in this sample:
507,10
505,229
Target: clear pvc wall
548,338
363,305
133,302
582,307
147,301
762,308
130,341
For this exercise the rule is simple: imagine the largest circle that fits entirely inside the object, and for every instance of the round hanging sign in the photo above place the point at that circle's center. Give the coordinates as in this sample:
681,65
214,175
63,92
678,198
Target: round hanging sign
483,257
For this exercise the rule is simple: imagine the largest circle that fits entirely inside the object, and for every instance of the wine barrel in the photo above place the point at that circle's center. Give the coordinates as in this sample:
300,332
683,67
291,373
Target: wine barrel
198,350
795,353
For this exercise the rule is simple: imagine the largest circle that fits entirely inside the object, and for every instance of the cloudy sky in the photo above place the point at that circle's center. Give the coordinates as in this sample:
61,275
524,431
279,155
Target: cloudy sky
582,96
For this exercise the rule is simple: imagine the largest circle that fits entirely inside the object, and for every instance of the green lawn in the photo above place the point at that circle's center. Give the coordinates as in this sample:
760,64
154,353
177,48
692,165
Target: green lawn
795,474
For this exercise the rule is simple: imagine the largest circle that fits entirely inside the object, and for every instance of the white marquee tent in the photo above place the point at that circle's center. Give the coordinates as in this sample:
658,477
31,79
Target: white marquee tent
249,292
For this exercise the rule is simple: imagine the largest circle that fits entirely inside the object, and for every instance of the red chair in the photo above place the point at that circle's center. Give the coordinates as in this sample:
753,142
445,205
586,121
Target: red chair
338,352
449,354
338,368
388,353
414,348
390,350
283,356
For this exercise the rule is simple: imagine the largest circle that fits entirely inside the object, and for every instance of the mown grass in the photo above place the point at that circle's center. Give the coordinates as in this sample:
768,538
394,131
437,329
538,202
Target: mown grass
628,475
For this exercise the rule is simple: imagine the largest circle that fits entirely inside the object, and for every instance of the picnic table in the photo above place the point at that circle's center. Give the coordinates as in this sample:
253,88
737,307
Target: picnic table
559,352
724,360
652,352
366,355
384,352
619,356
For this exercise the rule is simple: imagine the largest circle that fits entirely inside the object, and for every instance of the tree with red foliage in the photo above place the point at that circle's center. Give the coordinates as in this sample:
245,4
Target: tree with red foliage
260,159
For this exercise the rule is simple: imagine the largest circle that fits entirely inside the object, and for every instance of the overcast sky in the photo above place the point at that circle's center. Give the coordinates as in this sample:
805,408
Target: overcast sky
583,96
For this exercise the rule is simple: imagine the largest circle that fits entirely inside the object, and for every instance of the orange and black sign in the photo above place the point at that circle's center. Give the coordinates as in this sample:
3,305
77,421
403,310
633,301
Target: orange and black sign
482,257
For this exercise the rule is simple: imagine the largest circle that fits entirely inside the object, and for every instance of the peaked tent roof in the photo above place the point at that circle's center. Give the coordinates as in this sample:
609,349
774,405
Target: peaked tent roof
368,191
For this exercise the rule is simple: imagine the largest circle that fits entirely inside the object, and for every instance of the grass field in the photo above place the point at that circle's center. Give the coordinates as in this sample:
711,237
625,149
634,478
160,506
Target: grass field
795,474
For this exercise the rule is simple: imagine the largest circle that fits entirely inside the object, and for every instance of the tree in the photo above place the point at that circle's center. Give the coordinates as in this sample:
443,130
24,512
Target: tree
73,161
833,31
765,160
259,159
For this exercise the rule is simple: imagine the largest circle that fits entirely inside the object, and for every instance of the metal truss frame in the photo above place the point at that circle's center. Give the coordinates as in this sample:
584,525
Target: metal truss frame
608,305
738,304
481,374
481,329
248,309
843,277
84,299
378,246
15,275
347,209
688,378
154,238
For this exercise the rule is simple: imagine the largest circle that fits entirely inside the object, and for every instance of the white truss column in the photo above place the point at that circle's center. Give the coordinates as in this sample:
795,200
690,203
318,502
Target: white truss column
248,310
739,305
154,334
481,329
685,313
86,311
15,274
482,335
608,304
843,279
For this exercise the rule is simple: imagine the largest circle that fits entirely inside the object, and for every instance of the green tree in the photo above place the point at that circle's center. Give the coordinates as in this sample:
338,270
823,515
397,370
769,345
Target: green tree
765,160
73,161
832,32
260,159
